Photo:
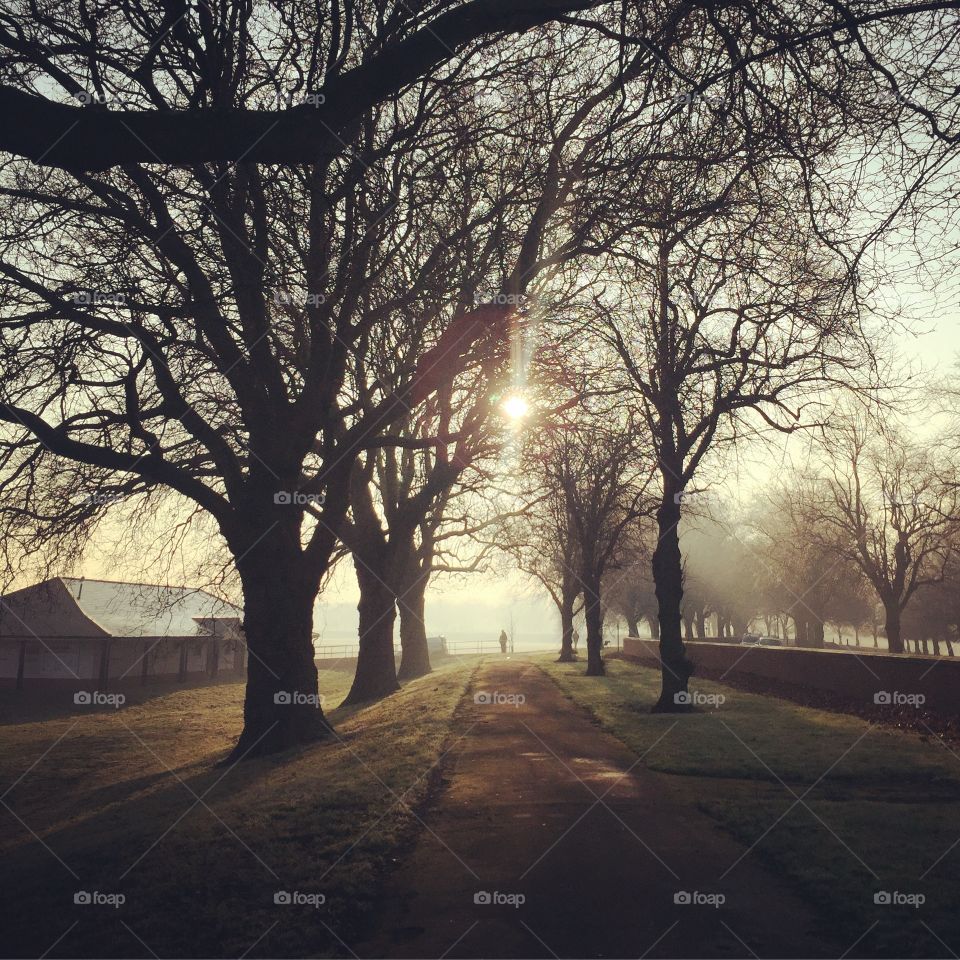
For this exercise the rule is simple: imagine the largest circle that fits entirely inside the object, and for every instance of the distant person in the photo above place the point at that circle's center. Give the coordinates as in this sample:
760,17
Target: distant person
503,641
575,637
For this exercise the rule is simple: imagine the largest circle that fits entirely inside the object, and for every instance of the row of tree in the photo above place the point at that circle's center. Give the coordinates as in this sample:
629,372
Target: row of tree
280,264
865,537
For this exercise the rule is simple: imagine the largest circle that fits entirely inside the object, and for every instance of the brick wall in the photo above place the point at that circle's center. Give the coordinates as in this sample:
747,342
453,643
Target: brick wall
858,675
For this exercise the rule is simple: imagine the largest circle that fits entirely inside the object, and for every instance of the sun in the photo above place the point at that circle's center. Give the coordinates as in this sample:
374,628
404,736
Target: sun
515,407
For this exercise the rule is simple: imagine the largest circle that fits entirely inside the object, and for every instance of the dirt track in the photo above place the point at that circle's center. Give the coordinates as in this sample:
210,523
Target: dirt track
541,803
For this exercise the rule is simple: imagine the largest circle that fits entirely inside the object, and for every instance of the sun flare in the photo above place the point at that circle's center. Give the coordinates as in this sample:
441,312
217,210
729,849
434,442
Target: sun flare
515,407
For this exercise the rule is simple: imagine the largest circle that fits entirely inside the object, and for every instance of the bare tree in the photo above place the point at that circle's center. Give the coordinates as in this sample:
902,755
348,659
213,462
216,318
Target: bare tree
803,571
596,468
627,588
541,539
387,517
198,335
726,306
106,98
198,329
888,510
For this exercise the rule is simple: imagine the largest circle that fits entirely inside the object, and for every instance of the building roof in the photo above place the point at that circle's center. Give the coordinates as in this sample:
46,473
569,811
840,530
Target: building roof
78,607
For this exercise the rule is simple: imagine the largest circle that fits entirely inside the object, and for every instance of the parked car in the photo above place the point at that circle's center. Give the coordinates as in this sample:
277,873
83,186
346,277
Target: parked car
755,640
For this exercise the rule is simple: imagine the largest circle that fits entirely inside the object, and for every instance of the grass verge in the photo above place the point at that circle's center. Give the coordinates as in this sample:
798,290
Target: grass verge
129,802
842,809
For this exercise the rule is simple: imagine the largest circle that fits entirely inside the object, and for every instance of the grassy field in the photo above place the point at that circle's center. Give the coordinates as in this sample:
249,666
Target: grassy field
130,802
841,808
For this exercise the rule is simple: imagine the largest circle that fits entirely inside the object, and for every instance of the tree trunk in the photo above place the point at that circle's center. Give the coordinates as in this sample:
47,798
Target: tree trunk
675,668
894,639
567,600
633,627
700,623
687,626
282,705
412,578
594,617
809,633
414,652
376,675
654,627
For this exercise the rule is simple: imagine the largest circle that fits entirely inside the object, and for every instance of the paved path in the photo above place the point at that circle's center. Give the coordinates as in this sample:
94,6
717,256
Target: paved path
540,802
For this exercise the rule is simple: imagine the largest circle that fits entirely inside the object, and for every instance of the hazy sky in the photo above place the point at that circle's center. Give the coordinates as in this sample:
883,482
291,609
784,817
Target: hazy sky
931,349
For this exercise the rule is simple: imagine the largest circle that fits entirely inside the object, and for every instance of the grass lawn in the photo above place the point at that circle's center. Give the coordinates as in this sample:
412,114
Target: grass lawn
877,807
129,802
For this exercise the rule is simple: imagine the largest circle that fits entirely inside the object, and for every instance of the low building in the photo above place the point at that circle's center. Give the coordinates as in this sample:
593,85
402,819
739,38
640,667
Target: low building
69,629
